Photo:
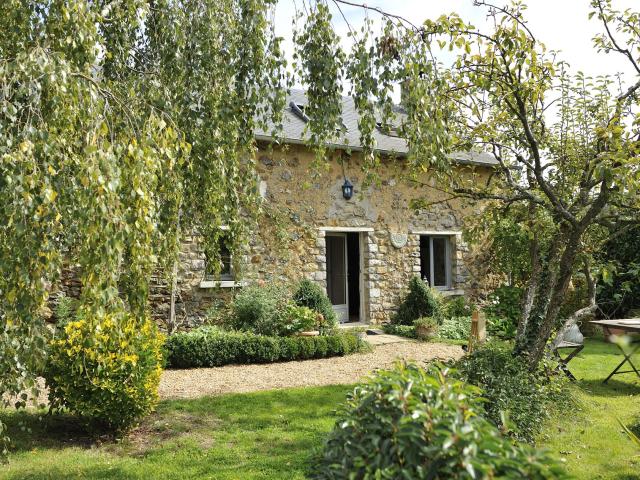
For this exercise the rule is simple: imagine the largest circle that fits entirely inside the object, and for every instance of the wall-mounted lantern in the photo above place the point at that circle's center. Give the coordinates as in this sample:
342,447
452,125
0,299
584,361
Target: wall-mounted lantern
347,189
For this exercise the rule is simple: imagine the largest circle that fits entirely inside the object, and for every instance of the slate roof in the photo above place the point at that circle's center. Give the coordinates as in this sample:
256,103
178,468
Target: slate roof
293,132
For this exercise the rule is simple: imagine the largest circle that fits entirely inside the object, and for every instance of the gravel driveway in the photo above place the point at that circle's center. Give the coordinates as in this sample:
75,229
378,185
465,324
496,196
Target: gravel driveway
199,382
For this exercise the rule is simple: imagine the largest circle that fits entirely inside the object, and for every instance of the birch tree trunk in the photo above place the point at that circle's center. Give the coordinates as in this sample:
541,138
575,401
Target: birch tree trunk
172,324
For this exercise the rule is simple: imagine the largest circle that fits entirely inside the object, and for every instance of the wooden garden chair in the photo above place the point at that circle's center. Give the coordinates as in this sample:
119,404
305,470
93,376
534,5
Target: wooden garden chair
573,341
574,349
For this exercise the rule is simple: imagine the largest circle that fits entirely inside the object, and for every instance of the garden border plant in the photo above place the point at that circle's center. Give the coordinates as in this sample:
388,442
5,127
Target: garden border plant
281,309
105,368
311,295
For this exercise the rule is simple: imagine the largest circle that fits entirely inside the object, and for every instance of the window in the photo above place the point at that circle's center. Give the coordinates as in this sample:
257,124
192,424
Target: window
226,269
298,109
435,260
388,129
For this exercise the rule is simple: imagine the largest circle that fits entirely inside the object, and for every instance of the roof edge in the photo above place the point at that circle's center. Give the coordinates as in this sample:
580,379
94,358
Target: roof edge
391,153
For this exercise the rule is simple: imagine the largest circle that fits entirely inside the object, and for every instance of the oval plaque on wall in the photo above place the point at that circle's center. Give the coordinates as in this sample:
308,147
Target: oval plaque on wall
398,240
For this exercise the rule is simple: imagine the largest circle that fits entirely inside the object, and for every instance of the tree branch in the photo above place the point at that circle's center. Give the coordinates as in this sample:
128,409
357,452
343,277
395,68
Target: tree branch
382,12
616,46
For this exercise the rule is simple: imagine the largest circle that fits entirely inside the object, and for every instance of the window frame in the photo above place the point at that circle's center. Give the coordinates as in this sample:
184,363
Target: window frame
222,279
448,260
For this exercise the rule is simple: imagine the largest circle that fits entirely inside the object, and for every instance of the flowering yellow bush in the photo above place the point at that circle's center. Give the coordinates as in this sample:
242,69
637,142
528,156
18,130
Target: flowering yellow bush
106,368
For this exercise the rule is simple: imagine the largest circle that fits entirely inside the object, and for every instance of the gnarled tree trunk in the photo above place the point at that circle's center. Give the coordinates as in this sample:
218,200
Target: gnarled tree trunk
531,290
550,290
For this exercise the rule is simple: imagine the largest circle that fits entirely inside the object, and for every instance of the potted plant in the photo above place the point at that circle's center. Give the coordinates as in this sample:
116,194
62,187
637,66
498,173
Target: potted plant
426,328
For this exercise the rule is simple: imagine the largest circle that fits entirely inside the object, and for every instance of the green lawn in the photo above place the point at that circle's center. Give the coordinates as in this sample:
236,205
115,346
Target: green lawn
591,440
272,435
266,435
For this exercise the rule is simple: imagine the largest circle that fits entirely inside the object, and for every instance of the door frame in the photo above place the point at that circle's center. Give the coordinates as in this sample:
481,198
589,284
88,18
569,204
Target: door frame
362,314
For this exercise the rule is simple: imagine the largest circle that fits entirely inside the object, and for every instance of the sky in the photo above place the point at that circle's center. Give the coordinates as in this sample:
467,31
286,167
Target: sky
560,24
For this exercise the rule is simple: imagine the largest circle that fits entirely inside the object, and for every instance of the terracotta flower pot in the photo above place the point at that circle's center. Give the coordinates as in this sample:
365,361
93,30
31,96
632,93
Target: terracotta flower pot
310,333
423,332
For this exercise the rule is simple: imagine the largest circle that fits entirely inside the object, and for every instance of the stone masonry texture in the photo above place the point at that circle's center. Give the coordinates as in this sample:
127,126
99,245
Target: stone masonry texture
288,243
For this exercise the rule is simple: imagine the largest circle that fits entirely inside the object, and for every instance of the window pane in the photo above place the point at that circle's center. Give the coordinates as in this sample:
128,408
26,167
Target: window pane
425,255
225,257
440,261
224,271
336,270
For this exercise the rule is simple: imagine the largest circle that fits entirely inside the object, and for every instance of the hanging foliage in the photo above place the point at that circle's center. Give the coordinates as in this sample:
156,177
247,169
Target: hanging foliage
122,126
319,62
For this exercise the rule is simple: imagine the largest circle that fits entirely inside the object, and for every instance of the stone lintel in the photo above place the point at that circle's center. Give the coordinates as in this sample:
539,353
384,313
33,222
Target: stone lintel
450,233
345,229
222,284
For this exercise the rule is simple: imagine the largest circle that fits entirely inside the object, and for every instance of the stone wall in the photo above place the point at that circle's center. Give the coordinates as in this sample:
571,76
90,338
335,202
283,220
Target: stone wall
288,243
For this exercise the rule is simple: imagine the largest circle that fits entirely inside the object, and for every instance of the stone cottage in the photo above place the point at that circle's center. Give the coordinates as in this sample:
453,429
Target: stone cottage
362,248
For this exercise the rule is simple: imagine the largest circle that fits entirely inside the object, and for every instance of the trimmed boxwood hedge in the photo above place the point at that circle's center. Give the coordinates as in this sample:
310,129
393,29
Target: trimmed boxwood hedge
214,347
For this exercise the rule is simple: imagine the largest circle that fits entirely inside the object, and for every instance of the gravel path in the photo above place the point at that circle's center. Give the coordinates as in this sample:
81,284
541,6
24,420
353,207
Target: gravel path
200,382
328,371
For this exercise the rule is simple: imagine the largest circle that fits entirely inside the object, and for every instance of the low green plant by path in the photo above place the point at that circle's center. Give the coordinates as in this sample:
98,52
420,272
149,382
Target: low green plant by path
264,435
409,331
591,441
518,400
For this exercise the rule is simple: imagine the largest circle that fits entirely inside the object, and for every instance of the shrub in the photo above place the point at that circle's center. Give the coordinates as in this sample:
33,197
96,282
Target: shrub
618,286
300,319
502,328
105,368
311,295
425,328
65,309
261,310
218,313
455,328
457,307
503,311
267,310
415,424
510,388
289,349
408,331
420,301
505,301
214,347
